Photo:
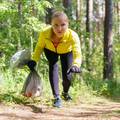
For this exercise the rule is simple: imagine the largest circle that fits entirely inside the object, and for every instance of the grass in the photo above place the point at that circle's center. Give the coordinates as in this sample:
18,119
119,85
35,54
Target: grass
83,89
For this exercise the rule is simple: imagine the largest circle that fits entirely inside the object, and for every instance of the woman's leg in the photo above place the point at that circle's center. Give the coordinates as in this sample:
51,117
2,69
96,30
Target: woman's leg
66,62
53,71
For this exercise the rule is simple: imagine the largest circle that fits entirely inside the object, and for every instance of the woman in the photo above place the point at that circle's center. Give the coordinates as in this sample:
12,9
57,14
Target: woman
58,40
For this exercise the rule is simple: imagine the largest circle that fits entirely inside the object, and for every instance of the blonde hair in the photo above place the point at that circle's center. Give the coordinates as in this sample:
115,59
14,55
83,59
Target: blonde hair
58,14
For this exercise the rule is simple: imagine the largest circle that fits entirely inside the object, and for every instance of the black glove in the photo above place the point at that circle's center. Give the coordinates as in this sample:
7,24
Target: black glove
31,64
74,69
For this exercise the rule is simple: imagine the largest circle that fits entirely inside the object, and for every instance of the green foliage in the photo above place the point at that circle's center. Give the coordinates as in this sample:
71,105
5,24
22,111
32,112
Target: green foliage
12,81
42,5
11,84
20,29
20,26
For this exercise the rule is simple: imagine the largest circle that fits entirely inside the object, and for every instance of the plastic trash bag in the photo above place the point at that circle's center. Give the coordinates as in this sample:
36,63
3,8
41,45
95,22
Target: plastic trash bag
20,58
33,85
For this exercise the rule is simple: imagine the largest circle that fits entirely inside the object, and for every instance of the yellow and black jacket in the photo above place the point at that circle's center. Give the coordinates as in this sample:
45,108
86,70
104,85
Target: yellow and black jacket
69,42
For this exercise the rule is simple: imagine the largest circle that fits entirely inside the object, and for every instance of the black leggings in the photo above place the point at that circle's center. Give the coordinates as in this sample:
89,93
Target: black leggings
66,61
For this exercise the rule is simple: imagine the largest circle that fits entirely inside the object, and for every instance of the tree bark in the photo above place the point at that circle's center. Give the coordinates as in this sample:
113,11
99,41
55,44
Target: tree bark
67,4
20,22
118,17
49,12
49,15
89,40
78,10
108,52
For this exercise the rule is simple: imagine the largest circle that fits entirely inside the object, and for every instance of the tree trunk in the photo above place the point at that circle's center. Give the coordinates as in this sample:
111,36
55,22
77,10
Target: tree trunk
118,17
67,4
99,16
89,40
78,10
33,33
49,12
108,53
20,22
33,9
48,15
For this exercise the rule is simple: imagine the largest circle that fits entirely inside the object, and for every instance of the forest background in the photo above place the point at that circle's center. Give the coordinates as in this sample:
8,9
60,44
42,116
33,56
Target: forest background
96,21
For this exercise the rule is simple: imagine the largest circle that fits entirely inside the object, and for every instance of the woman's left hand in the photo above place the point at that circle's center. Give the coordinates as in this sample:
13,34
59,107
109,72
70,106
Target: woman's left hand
74,69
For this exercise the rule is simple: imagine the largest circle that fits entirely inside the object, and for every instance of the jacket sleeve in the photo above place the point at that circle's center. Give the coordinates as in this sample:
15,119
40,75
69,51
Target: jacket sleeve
76,48
39,47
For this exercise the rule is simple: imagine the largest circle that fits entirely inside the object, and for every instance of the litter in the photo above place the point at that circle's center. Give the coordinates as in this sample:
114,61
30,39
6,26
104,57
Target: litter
20,58
33,85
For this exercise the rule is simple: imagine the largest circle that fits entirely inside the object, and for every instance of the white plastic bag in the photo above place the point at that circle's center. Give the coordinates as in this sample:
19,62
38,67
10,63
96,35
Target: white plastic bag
33,85
20,58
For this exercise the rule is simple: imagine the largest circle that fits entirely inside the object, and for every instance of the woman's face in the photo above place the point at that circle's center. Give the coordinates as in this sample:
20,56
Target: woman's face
59,25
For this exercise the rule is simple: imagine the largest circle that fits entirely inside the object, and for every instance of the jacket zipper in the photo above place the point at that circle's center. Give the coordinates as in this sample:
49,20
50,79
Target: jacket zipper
55,47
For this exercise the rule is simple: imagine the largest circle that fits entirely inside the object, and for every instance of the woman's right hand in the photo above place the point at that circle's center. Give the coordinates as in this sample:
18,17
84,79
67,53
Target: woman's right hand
31,64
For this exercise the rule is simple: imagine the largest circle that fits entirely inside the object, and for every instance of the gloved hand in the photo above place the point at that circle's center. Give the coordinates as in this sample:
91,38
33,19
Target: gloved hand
31,64
74,69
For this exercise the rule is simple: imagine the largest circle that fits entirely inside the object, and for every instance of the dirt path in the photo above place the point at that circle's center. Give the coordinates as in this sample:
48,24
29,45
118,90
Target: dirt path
96,111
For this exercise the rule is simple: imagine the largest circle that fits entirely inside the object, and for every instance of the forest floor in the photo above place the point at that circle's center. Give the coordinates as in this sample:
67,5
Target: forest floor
99,110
